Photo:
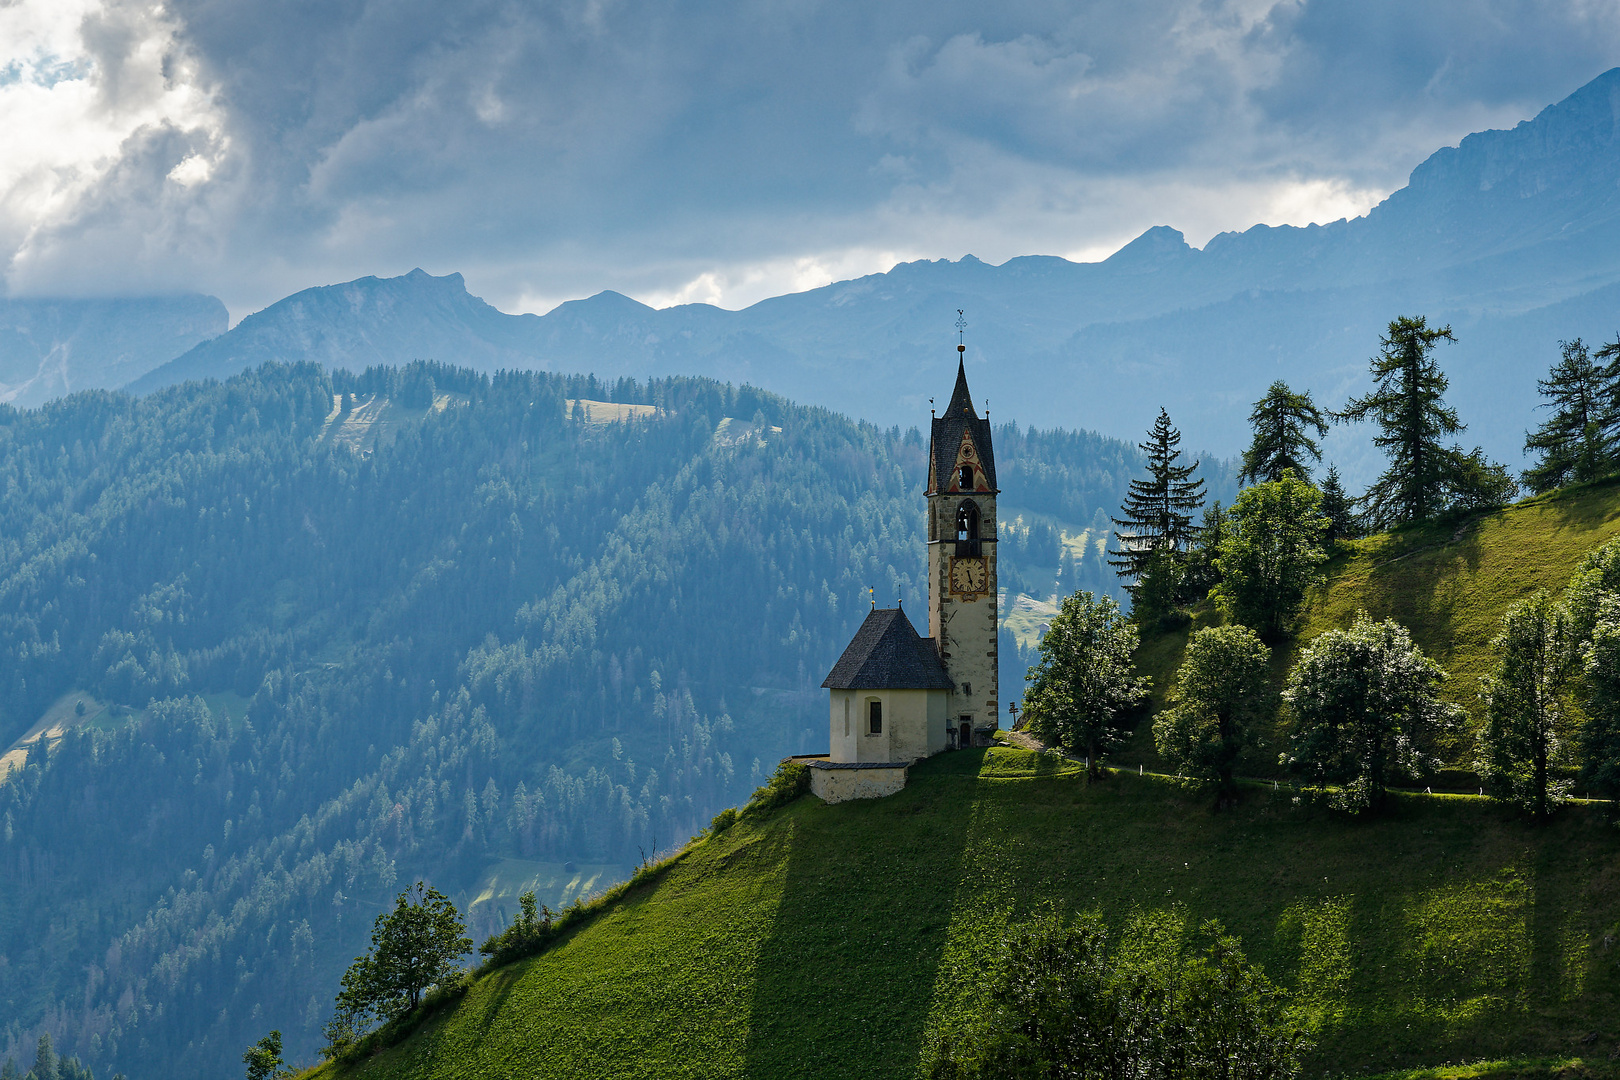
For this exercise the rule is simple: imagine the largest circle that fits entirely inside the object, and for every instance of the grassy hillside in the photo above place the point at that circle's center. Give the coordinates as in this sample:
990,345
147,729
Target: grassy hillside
823,940
1447,583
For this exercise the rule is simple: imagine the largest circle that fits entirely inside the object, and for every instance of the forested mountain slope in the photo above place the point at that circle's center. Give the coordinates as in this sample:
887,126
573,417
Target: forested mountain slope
331,631
830,940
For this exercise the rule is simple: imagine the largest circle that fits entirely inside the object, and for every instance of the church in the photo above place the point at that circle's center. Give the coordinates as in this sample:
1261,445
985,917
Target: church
897,697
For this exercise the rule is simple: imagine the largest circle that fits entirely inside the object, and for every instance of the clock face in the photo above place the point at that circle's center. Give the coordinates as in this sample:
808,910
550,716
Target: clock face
969,576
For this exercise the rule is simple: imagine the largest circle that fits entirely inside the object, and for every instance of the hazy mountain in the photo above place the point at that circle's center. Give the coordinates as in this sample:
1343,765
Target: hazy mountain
1511,237
51,347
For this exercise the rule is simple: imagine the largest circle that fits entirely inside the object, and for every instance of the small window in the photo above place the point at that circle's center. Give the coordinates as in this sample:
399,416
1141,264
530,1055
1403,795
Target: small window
967,689
874,718
846,718
967,521
965,479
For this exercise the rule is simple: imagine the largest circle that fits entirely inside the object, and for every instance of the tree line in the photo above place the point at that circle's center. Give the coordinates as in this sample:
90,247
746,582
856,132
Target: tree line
1364,702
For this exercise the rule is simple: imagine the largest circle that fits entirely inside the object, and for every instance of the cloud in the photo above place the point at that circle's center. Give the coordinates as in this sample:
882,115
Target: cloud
712,150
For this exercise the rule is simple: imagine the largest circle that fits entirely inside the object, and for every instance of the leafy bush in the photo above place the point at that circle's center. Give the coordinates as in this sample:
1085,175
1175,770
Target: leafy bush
790,780
1058,1003
529,933
724,820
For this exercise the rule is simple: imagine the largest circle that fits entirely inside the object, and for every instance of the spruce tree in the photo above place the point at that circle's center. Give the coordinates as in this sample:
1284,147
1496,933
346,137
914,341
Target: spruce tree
1578,441
1338,508
1282,421
44,1060
1409,408
1158,510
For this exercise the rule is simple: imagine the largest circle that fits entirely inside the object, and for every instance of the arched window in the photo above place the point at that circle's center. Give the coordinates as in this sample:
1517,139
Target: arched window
874,718
846,718
967,528
964,478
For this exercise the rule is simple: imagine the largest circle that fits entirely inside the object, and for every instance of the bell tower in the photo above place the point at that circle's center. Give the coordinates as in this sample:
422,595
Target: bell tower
962,528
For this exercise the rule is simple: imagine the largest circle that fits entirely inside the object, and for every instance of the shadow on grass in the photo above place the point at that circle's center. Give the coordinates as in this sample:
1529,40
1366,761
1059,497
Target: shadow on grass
844,980
1587,506
1421,591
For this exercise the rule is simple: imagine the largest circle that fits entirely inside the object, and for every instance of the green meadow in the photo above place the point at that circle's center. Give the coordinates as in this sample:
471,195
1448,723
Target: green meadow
827,941
1446,582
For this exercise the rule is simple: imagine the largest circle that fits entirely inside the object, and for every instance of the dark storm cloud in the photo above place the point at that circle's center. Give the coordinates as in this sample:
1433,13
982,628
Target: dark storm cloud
617,141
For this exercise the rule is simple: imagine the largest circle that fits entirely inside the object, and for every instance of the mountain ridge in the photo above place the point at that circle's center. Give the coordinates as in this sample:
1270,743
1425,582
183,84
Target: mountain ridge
1486,236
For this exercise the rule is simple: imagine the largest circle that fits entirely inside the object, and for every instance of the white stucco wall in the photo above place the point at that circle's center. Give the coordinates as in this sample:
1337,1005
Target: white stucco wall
914,724
842,785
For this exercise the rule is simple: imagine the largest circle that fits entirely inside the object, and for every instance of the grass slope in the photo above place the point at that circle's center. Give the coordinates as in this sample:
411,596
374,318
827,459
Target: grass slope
1447,583
824,940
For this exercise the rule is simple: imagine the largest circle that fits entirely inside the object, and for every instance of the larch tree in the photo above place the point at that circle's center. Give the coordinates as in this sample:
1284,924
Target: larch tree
1578,440
1282,422
1408,405
1083,688
1218,698
1157,513
1525,719
1365,704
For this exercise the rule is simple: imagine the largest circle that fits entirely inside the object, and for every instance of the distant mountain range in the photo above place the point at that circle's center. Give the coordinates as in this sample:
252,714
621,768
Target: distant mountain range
1512,237
51,347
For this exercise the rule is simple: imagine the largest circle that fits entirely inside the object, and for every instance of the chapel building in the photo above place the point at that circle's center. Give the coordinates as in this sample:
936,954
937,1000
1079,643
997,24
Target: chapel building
897,697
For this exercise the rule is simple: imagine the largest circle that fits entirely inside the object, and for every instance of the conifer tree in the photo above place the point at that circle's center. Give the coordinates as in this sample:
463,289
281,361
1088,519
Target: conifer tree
1158,510
1338,508
1282,421
1578,441
1409,408
44,1060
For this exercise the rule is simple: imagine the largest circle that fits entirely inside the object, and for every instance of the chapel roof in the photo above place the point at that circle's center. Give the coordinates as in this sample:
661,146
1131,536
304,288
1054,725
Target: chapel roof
887,654
946,437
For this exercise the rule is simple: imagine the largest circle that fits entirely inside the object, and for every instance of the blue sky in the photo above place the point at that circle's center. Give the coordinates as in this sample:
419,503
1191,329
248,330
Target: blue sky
720,152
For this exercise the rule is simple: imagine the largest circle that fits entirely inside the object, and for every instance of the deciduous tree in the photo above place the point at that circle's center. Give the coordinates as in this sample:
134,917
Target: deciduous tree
1219,694
263,1058
1600,735
1056,1002
1366,706
1525,719
413,947
1282,422
1085,683
1271,554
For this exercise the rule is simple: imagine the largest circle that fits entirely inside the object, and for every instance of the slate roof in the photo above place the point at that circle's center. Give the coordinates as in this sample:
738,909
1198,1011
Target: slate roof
947,435
887,654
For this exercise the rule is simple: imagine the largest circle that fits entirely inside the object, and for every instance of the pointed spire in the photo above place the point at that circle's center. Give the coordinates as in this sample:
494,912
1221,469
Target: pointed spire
961,401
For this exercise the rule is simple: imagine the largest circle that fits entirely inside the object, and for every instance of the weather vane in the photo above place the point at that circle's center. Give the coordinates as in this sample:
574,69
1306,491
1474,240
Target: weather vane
961,331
